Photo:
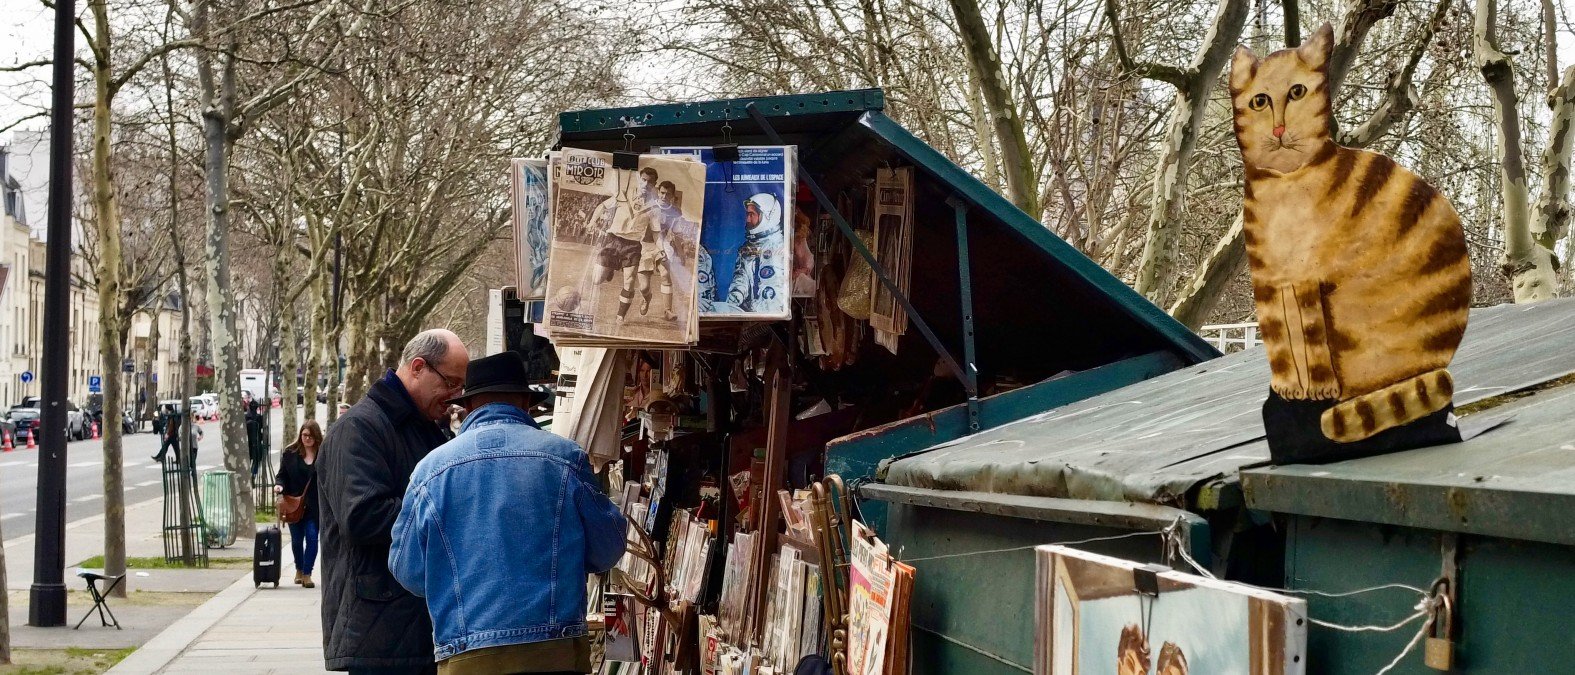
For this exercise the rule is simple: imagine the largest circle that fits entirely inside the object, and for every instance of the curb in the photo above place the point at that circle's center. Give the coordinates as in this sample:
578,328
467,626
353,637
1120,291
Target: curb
168,645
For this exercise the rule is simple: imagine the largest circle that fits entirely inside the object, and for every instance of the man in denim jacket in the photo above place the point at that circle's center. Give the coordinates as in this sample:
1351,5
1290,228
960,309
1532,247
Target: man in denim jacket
498,531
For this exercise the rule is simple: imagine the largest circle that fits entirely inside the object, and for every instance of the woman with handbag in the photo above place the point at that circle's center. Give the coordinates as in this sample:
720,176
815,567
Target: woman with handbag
297,498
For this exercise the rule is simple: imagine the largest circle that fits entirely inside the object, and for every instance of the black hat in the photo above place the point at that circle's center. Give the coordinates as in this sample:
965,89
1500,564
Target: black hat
504,372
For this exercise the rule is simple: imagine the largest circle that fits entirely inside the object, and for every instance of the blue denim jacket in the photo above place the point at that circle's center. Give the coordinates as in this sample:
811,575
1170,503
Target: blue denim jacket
499,529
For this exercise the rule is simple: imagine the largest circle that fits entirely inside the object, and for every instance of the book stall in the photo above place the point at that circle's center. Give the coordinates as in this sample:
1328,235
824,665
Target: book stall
713,323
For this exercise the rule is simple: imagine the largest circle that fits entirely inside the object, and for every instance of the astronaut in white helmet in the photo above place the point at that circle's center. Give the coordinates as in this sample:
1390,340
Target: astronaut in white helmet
761,259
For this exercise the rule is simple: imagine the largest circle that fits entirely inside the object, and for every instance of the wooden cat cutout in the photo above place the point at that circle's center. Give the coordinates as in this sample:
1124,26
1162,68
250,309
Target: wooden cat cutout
1359,271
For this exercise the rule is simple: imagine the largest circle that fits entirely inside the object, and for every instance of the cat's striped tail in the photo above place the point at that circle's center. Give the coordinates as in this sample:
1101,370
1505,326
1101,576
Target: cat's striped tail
1397,404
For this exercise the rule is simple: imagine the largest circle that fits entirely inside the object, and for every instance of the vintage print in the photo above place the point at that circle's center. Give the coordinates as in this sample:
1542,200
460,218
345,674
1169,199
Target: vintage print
532,231
623,262
747,237
1094,620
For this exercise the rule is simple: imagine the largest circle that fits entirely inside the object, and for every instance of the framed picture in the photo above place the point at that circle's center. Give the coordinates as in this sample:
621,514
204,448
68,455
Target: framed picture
1094,620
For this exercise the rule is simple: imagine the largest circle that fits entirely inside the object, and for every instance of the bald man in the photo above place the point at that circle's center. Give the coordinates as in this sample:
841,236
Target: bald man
371,624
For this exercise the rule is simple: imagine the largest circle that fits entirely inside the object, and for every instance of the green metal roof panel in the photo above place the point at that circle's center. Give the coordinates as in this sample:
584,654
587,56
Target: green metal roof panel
1156,440
584,121
1516,481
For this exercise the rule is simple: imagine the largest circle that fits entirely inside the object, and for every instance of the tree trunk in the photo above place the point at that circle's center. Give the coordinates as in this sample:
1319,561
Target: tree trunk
150,391
362,354
1016,158
218,105
185,380
1181,137
1526,263
983,133
107,222
1553,206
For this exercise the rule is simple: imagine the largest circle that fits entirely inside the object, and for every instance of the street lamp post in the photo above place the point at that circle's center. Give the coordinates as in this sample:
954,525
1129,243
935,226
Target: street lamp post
47,598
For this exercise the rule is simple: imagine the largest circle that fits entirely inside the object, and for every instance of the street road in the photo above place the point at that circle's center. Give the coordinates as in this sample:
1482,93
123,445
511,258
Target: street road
143,477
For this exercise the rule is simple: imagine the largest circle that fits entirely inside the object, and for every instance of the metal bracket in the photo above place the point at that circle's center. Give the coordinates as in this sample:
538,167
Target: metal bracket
1449,547
864,252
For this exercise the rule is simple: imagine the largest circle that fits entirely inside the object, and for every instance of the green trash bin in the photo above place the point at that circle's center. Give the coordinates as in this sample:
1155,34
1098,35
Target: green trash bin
217,515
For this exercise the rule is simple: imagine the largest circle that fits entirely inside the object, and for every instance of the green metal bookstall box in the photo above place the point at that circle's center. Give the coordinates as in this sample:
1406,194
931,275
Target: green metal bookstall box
1027,322
1184,452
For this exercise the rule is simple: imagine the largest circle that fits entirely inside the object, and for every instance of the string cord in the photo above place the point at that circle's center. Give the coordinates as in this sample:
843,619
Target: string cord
1031,547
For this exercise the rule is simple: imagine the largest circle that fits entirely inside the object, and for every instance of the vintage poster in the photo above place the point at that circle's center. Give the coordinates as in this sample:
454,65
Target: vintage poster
621,271
747,237
532,231
1092,620
893,210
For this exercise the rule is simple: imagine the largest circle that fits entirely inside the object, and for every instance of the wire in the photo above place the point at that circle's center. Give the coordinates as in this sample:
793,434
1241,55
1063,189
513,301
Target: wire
1025,548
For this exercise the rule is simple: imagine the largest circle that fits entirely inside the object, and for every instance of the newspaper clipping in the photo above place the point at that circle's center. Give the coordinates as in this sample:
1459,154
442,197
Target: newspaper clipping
746,266
622,269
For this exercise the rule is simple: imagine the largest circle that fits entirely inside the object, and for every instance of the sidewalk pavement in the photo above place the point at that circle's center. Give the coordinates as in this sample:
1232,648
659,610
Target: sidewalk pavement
157,598
241,631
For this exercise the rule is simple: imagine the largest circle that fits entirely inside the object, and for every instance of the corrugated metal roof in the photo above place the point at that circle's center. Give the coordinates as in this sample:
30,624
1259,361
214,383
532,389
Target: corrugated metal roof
1156,440
1516,481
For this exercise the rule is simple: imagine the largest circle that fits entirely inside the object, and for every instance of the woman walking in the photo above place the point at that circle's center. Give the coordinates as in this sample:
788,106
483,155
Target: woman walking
298,478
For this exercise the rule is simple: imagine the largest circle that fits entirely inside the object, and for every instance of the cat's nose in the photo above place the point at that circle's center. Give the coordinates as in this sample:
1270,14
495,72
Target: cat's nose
1279,131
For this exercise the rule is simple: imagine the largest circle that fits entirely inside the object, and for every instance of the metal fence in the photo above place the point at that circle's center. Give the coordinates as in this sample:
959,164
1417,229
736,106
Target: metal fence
183,526
1231,337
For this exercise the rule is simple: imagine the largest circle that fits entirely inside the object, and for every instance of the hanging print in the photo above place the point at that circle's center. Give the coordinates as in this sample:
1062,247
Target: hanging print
622,266
746,239
532,236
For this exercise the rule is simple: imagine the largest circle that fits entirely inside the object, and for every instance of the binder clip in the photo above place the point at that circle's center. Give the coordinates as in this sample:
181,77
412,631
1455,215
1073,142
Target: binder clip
626,159
727,150
1145,579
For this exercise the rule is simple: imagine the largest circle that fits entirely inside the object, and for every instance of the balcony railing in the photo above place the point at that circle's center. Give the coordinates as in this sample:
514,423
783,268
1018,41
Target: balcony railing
1231,337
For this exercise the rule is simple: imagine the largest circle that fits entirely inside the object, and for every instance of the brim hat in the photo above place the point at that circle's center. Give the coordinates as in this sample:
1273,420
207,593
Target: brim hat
501,373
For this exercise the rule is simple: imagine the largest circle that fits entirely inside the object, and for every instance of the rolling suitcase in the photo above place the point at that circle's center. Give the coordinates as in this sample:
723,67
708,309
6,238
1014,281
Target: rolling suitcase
267,557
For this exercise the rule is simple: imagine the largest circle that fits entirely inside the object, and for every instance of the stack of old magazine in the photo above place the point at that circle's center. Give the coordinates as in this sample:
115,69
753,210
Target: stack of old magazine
635,258
878,607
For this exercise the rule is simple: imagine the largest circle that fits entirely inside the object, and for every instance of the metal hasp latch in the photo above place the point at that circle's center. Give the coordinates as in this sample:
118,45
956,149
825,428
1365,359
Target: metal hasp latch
1438,651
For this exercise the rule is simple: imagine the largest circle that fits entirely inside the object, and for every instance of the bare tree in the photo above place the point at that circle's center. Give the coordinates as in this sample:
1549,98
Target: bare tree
1528,260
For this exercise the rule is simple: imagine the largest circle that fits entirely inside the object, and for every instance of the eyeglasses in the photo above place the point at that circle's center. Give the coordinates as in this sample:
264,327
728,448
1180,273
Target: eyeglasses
447,381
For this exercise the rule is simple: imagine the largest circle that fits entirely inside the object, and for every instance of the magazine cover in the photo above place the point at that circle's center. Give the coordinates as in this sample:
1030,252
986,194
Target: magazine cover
624,250
746,238
532,235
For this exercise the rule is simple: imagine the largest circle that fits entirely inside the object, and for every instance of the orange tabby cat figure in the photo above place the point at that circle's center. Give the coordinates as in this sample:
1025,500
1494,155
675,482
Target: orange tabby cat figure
1359,272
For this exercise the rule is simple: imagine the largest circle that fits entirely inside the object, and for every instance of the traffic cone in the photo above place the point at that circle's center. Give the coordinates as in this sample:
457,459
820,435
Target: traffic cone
95,430
5,441
30,444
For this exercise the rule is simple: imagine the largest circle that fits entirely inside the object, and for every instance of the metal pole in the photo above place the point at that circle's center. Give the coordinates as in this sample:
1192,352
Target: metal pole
47,598
965,283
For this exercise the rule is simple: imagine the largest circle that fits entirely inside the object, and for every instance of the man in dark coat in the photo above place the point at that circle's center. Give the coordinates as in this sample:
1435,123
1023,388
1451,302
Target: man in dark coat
371,624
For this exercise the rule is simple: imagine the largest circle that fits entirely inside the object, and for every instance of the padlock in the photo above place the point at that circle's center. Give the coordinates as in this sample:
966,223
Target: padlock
1439,652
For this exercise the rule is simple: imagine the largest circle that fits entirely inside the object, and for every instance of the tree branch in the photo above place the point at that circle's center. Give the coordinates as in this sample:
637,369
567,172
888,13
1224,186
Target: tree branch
1153,71
1401,97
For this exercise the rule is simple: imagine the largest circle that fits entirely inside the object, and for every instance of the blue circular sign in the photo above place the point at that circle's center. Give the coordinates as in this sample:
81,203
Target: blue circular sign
27,376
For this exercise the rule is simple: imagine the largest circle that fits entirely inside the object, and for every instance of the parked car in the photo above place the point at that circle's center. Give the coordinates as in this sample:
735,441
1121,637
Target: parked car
77,423
25,422
8,427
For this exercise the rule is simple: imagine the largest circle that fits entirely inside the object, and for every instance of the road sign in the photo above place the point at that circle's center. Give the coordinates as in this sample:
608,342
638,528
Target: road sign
95,384
128,366
27,376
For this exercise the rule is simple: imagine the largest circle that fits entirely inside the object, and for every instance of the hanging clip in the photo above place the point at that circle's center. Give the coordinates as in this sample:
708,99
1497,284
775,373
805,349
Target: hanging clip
1145,579
727,150
626,159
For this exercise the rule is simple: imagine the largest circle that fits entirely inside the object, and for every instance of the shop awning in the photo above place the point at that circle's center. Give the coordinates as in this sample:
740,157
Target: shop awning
1159,440
1036,296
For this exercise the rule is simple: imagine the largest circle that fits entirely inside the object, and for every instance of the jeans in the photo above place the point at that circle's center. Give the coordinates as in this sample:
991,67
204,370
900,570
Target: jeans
303,544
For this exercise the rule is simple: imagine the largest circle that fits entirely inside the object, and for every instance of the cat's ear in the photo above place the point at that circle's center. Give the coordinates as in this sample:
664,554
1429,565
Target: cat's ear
1243,65
1315,50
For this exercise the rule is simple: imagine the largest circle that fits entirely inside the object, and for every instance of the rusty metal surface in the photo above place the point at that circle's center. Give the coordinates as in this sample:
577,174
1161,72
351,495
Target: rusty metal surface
1155,440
